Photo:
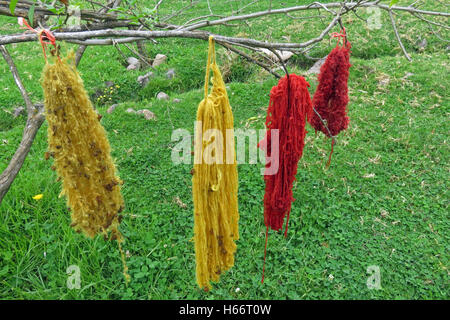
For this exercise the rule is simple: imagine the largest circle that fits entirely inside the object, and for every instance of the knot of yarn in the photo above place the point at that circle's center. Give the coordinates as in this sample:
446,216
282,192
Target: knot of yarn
45,35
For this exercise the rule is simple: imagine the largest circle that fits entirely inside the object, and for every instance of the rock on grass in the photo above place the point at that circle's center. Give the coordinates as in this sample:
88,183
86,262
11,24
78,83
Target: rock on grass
159,59
162,96
148,115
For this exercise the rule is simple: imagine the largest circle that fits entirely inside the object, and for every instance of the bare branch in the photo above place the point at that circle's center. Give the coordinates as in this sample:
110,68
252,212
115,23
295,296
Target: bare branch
9,174
275,52
391,16
23,8
105,42
249,58
79,54
316,5
76,37
34,122
17,80
179,12
140,56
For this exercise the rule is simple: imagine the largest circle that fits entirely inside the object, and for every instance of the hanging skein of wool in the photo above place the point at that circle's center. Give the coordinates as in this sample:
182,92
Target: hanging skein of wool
81,151
289,108
331,97
78,143
214,183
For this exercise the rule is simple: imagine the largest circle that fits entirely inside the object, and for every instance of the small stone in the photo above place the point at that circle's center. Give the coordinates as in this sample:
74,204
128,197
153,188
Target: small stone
162,96
159,59
132,60
112,108
147,114
284,55
132,67
145,79
130,110
133,63
18,111
315,69
170,74
176,100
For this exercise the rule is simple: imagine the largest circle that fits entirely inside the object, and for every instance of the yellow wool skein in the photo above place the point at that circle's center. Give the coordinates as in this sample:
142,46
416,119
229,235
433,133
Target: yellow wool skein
214,185
81,151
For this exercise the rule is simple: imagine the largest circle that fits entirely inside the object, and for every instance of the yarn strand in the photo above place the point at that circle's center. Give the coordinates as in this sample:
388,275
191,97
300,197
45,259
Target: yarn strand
289,108
214,185
331,97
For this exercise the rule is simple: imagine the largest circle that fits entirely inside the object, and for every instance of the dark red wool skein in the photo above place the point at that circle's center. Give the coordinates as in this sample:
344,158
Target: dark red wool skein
331,97
289,108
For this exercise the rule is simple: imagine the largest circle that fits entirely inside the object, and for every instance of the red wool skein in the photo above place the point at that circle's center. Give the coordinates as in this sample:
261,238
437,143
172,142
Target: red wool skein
331,97
289,107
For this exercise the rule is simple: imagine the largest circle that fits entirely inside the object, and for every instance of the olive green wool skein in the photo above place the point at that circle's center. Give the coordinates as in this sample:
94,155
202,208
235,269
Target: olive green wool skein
81,151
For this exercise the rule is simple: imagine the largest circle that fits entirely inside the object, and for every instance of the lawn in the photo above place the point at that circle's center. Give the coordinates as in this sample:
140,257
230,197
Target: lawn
383,202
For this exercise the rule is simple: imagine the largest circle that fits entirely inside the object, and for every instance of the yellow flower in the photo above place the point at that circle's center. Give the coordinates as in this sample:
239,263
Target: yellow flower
38,196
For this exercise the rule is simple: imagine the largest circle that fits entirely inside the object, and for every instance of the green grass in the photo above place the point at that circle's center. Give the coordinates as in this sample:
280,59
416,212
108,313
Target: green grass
383,201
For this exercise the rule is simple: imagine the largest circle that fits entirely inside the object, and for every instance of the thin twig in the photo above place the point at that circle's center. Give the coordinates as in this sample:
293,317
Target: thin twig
34,121
141,57
275,52
17,80
398,36
249,58
325,125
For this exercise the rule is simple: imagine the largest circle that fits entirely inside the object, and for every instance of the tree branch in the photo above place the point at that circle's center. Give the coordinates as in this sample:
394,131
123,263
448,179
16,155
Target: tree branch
315,5
34,122
79,54
17,80
391,16
249,58
22,9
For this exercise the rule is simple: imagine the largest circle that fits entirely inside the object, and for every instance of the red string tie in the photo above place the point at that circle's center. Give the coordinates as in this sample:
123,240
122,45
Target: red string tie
45,36
342,35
